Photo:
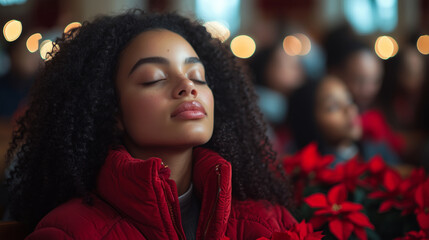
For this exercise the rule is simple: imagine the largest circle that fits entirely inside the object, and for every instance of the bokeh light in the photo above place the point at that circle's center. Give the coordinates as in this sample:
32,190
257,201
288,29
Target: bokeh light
423,44
395,46
243,46
71,26
12,30
217,30
47,47
305,43
292,45
33,42
385,47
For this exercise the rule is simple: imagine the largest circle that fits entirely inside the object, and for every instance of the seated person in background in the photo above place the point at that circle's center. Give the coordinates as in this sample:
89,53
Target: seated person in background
142,126
277,75
355,63
324,112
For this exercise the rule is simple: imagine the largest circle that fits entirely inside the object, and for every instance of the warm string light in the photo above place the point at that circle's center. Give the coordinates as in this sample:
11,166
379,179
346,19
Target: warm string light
423,44
12,30
48,49
386,47
33,42
297,44
217,30
71,26
243,46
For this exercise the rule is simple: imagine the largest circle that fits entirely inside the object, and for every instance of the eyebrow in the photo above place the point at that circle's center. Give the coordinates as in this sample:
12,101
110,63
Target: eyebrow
160,60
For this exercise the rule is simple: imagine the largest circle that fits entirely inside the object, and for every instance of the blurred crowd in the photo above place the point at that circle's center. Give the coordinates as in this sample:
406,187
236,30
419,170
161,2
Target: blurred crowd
358,104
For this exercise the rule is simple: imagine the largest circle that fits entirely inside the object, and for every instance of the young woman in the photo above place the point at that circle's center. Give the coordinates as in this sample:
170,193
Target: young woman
143,127
324,112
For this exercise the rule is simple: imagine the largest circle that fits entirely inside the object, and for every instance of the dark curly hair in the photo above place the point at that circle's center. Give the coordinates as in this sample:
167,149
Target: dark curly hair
64,136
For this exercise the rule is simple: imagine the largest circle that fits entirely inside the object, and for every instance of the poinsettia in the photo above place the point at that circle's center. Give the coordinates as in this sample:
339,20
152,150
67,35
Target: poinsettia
344,217
414,235
348,173
398,193
305,167
299,231
422,200
308,162
376,168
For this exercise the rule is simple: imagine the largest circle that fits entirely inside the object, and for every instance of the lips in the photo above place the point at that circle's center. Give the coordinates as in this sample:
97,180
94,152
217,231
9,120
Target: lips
191,110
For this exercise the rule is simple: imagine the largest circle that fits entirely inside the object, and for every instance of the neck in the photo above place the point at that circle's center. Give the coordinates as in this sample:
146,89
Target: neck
178,160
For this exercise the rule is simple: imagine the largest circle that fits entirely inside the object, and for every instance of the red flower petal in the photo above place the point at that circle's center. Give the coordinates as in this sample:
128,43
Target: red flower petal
376,164
377,194
350,207
391,180
341,230
418,196
317,200
360,233
360,220
385,206
337,194
423,219
302,229
310,157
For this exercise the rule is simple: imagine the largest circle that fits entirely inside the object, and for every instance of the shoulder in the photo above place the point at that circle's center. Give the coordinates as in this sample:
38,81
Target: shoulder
77,220
370,149
260,218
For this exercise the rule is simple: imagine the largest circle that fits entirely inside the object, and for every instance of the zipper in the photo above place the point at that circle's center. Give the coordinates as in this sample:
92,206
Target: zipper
170,209
215,204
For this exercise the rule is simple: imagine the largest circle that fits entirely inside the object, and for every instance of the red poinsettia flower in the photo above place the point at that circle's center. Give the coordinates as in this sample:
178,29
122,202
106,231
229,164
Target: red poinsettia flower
376,168
348,173
414,235
398,193
305,168
307,162
343,217
299,231
422,200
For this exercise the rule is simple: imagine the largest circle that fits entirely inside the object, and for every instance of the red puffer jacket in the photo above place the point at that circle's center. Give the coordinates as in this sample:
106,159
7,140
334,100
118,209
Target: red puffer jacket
135,199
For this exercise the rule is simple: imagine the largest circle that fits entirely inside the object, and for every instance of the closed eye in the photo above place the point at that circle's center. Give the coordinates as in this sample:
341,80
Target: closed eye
152,82
199,81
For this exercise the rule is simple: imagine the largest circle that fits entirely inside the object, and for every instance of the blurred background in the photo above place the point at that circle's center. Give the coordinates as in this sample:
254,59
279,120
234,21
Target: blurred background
350,75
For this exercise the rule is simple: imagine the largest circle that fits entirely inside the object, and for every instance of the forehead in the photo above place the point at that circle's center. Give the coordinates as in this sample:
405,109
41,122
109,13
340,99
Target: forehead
330,86
158,42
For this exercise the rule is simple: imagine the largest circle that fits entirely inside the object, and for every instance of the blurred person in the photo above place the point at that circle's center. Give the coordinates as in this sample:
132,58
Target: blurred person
402,98
144,127
324,112
355,63
277,75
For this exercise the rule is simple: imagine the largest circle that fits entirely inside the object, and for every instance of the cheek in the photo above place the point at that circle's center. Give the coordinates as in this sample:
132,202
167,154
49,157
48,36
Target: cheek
331,123
141,114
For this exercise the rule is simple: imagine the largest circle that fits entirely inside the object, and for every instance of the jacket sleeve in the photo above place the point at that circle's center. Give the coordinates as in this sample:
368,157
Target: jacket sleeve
49,233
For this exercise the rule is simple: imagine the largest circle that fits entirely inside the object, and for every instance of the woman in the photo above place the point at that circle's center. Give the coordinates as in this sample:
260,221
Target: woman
324,112
111,139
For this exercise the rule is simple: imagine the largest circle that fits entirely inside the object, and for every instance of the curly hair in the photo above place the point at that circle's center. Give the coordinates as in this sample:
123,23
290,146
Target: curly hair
64,136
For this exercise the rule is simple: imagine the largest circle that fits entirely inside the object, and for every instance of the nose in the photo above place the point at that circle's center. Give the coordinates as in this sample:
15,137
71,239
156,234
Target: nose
184,88
351,110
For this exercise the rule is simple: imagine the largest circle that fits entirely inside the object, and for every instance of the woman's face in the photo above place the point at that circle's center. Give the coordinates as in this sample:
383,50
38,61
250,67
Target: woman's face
284,73
336,114
163,95
362,74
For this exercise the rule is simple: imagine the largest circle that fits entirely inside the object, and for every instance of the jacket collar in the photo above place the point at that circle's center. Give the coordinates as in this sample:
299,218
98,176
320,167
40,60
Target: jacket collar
141,191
